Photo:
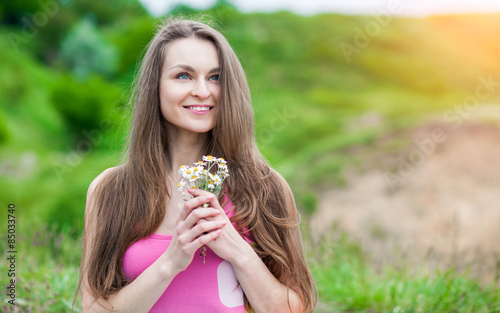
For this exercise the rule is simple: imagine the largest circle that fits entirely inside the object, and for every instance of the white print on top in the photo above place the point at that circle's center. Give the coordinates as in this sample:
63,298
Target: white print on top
230,292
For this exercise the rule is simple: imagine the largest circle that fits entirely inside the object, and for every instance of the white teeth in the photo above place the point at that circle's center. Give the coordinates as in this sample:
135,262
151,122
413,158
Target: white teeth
199,108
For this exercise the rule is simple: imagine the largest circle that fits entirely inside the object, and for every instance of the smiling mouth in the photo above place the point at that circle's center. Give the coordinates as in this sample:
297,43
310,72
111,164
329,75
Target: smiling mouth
199,109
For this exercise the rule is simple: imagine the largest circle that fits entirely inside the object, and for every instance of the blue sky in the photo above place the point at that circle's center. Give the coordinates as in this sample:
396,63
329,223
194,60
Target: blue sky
417,8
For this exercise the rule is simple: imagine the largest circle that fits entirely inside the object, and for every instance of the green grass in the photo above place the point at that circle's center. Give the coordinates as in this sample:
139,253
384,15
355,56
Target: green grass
347,282
47,269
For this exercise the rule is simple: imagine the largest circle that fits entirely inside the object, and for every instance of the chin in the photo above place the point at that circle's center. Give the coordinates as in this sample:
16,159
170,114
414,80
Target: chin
201,129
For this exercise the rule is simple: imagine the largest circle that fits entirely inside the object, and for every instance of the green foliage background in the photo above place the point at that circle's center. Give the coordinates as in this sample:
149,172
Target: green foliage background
64,88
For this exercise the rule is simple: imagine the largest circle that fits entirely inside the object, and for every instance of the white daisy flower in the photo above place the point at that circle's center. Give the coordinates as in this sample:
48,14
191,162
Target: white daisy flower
198,170
221,160
200,163
217,180
182,169
223,173
209,158
181,185
193,177
187,173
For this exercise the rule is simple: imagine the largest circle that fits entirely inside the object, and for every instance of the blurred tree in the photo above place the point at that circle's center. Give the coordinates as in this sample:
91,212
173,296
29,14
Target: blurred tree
111,11
85,51
224,11
4,131
220,6
16,12
85,105
13,12
43,24
183,9
66,215
224,5
130,38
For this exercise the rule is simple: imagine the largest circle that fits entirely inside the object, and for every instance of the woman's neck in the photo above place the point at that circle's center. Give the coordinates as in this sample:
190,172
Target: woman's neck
184,147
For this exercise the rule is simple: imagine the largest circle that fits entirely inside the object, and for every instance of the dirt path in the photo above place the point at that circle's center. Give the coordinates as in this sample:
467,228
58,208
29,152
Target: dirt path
440,208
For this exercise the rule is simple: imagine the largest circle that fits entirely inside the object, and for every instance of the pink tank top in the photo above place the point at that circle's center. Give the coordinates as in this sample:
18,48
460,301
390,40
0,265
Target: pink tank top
209,288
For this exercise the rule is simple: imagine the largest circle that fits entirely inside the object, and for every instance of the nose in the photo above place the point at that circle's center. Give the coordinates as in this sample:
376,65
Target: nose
200,89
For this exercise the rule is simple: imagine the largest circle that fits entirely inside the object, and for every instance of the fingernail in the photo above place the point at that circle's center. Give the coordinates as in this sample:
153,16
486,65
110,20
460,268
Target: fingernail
209,197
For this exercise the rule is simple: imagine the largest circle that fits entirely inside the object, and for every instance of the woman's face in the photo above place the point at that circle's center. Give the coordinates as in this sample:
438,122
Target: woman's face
189,85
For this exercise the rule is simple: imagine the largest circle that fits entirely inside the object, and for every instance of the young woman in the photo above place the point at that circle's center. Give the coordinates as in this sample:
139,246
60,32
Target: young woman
141,248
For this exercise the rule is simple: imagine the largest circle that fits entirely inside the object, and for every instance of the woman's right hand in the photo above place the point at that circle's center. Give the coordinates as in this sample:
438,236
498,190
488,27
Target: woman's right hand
190,235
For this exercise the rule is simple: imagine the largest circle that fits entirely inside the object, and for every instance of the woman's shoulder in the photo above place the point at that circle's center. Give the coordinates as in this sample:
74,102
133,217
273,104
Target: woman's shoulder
279,179
101,177
99,180
284,188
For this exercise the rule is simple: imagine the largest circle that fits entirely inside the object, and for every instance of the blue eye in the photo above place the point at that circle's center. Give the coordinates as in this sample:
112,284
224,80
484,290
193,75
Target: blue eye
214,77
182,76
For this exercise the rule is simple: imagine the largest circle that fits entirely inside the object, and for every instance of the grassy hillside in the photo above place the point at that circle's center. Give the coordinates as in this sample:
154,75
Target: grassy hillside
60,126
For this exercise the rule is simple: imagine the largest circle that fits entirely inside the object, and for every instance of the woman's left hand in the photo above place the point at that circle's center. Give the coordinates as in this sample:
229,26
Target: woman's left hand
229,245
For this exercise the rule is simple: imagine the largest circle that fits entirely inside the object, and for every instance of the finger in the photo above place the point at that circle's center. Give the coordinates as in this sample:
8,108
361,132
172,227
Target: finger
214,202
199,192
202,220
205,227
195,215
198,214
205,239
201,240
211,219
191,204
201,230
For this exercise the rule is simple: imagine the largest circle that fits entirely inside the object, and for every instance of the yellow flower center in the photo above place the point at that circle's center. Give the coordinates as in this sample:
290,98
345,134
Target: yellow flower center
188,172
194,177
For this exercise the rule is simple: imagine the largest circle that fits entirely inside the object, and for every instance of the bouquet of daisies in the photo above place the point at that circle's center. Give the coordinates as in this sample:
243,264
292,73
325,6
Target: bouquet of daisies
200,175
208,175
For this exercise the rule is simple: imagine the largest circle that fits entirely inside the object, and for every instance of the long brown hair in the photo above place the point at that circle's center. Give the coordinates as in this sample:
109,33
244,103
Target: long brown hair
129,202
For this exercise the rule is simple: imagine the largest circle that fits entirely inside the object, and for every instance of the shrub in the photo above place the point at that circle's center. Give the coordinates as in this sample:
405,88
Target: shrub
85,51
4,131
85,106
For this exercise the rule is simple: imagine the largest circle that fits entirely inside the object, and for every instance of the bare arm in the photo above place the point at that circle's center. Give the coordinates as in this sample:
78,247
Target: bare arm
141,294
264,292
138,296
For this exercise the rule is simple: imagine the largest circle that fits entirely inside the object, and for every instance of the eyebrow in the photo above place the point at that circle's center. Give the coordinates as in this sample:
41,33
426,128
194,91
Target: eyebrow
191,69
